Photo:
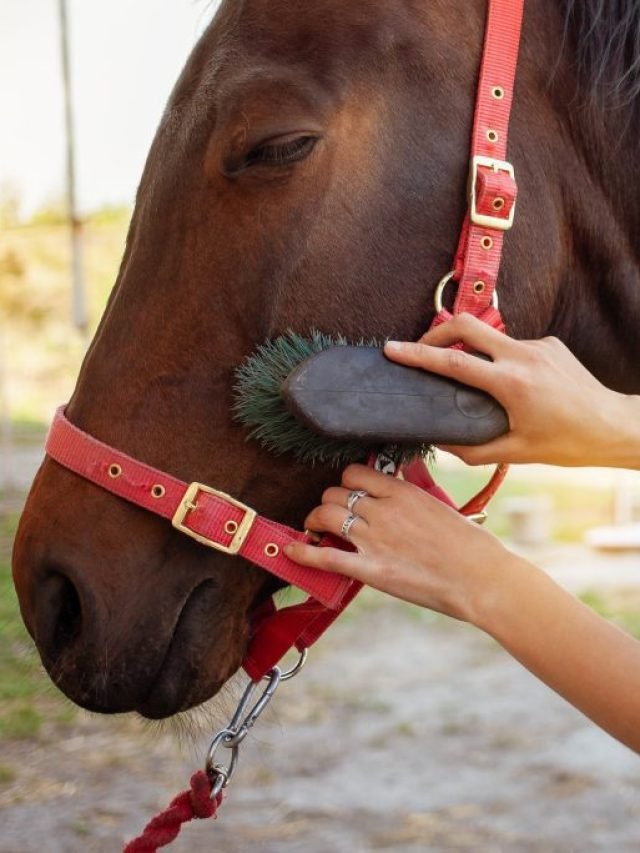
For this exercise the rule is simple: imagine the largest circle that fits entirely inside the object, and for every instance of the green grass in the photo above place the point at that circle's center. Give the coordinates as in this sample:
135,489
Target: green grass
7,775
27,697
573,510
28,431
620,606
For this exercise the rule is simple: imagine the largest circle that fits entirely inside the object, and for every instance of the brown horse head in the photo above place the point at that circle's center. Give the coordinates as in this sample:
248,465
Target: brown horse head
309,171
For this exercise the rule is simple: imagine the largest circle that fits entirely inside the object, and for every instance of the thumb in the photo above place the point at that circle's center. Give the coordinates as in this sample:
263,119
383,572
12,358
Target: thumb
501,450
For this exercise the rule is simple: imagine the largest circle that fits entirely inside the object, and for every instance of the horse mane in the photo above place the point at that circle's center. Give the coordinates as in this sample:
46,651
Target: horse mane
606,36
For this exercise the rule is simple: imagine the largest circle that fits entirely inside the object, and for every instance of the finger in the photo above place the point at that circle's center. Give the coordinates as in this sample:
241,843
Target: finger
329,518
493,453
326,559
453,363
340,496
472,331
378,485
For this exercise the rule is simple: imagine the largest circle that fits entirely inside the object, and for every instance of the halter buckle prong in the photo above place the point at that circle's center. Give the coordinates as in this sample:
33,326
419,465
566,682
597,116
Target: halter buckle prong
190,504
499,223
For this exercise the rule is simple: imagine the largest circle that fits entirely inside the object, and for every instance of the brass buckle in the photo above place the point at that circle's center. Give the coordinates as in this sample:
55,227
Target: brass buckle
188,504
484,219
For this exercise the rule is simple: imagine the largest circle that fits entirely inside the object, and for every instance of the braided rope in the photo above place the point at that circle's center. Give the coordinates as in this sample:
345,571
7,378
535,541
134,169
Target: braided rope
165,827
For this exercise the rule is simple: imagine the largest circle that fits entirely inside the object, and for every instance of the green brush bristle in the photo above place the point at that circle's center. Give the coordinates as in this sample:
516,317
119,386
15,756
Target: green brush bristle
259,406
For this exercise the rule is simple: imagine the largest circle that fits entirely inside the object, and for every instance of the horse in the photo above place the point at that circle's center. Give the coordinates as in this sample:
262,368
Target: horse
309,172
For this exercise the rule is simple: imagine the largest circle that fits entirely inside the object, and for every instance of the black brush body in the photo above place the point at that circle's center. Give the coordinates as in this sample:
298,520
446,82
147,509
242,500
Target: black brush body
354,393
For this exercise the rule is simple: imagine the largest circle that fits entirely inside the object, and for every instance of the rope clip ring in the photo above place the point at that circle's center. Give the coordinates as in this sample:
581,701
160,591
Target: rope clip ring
242,722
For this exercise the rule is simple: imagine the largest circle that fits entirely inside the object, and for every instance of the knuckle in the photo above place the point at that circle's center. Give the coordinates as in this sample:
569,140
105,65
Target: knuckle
348,474
552,341
515,382
329,559
534,350
323,515
466,321
387,573
456,359
466,456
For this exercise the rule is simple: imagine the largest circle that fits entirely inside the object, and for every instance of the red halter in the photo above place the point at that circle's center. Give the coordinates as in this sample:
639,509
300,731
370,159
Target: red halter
219,521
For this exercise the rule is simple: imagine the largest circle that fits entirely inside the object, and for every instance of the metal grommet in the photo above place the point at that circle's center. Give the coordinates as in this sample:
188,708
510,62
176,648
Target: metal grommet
158,491
497,203
271,549
486,243
115,471
479,287
498,93
492,135
231,527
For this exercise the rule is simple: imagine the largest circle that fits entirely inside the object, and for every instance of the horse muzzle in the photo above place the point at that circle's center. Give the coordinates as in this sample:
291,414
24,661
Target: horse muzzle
156,627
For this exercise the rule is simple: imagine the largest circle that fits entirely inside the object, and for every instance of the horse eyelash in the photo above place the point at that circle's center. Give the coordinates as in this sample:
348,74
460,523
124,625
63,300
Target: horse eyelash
281,154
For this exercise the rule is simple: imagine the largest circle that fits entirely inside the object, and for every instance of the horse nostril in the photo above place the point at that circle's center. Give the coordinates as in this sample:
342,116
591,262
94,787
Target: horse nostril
58,615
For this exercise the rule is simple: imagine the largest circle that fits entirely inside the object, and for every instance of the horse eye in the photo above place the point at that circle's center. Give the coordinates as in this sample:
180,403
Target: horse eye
280,153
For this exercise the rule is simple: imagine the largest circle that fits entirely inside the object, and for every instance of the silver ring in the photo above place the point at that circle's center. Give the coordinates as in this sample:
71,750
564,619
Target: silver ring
440,288
347,524
354,497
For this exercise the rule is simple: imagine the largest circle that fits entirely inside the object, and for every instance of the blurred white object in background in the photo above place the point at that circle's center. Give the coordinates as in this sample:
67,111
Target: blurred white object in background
624,533
529,519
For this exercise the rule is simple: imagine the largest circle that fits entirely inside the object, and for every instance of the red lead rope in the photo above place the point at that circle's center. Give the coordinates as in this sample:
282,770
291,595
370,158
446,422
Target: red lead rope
165,827
219,521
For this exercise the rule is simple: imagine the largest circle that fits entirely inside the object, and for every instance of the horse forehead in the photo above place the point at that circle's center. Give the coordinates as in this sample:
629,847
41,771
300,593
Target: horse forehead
324,35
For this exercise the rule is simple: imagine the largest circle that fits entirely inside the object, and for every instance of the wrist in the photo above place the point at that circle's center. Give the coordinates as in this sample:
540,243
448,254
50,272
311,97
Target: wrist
502,591
621,436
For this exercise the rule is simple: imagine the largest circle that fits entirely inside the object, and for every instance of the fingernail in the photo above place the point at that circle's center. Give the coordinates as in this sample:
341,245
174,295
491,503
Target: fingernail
394,346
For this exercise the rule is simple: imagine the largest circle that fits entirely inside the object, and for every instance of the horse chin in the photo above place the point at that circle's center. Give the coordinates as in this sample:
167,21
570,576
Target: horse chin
199,659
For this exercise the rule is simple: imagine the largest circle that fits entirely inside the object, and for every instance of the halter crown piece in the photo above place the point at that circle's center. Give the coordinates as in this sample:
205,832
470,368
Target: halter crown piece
217,520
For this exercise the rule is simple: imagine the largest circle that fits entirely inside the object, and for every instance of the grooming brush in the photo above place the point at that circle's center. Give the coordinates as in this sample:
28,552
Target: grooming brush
327,401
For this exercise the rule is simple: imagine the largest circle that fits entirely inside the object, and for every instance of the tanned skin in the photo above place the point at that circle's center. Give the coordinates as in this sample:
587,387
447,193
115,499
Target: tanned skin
415,548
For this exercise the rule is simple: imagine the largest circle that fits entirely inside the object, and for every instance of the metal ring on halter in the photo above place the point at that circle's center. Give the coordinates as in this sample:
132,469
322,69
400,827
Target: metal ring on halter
478,517
437,296
347,524
354,497
290,673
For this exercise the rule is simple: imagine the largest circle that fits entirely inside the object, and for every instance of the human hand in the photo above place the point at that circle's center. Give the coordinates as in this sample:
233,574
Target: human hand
559,413
409,545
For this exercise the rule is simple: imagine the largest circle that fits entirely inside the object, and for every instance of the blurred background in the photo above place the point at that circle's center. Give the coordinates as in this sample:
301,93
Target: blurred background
424,735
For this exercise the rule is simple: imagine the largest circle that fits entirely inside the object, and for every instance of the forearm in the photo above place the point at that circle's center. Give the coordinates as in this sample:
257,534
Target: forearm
591,663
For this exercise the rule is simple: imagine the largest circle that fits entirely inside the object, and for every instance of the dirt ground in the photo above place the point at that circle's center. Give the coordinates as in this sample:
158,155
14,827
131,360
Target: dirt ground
406,732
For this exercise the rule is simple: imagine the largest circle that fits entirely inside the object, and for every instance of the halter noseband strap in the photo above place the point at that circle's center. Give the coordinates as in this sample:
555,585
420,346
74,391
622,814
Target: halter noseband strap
219,521
210,517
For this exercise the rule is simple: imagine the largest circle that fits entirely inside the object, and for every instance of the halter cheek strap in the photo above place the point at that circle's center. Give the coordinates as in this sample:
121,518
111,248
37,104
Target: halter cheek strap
219,521
492,186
